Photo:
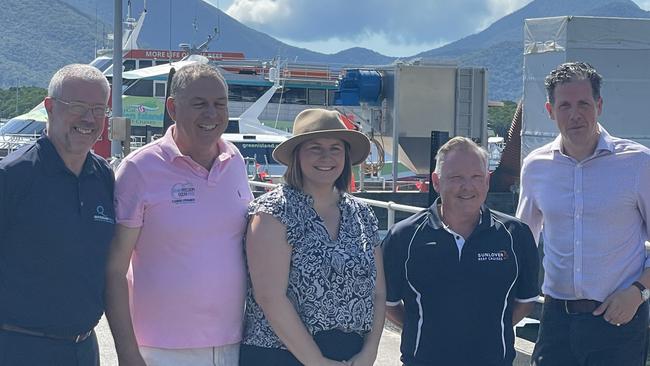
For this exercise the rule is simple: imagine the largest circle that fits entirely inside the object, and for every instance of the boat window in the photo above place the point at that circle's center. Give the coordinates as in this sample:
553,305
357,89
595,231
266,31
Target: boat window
331,96
317,97
162,62
142,87
22,127
252,93
260,151
160,89
129,65
291,96
144,63
234,93
102,63
233,126
34,128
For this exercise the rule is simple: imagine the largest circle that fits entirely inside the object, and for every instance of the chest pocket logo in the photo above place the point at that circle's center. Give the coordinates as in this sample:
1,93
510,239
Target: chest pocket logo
499,256
100,216
183,193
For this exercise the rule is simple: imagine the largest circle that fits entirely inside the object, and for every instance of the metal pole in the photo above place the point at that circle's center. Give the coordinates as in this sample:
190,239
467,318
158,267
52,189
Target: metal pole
116,146
391,215
395,127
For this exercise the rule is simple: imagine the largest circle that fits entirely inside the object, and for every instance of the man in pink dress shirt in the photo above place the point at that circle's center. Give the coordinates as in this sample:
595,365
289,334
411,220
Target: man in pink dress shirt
588,193
176,272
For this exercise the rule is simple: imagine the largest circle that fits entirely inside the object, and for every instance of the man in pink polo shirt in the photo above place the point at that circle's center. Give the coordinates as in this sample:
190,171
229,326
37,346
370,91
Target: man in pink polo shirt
176,272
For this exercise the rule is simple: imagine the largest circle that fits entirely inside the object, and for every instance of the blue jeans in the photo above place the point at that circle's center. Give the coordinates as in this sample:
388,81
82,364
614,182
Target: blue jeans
18,349
587,340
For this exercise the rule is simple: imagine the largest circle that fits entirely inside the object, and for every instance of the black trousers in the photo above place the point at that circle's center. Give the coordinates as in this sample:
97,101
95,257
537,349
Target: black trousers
587,340
18,349
334,344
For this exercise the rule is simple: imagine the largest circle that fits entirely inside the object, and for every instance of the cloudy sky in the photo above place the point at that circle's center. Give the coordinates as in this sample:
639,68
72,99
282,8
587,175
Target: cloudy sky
386,26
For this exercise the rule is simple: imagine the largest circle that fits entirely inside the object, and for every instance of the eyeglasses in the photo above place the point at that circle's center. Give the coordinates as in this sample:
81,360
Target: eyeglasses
80,109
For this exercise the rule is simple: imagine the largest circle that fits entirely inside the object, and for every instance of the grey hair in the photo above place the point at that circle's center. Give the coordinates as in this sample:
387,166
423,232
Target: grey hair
460,143
572,71
76,72
187,74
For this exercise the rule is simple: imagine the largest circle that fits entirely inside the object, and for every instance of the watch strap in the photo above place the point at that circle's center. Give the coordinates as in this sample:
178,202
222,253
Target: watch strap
645,293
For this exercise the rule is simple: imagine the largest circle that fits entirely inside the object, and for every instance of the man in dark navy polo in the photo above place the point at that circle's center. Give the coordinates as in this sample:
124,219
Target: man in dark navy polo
56,222
459,275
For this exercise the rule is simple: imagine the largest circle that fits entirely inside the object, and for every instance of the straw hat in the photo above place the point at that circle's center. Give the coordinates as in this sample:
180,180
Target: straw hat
321,123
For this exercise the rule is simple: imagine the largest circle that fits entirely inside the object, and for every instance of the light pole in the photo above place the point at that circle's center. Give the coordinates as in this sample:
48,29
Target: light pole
116,146
17,84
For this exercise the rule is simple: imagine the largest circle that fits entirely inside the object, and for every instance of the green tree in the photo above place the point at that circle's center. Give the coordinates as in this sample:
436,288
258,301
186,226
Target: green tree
500,118
16,102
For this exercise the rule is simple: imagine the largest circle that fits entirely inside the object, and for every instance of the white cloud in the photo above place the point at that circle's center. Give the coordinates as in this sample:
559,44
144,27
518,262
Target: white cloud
261,12
398,22
643,4
391,27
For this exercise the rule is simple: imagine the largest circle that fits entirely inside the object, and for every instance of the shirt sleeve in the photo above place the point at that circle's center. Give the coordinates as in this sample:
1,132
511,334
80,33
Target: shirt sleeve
129,195
644,201
393,268
527,286
527,209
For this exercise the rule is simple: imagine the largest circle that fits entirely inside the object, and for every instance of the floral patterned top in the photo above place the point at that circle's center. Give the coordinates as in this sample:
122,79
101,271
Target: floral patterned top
331,282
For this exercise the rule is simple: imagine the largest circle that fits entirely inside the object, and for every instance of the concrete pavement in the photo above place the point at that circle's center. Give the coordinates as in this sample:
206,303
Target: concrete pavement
388,348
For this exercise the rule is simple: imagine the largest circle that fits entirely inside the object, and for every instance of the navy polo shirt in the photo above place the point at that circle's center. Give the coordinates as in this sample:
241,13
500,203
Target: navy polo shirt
55,230
458,309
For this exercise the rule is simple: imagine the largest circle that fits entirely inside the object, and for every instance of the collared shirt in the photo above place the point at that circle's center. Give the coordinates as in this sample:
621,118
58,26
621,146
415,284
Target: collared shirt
592,214
187,278
458,295
55,229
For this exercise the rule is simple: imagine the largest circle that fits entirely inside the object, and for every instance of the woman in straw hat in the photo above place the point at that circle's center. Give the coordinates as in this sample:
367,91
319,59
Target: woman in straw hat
316,284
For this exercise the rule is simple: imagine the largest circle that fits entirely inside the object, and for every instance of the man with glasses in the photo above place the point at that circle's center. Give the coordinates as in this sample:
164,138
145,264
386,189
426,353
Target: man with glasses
56,222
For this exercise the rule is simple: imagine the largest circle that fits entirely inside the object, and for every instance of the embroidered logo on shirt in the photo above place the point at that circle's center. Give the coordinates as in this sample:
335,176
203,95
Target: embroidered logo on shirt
183,193
499,256
100,216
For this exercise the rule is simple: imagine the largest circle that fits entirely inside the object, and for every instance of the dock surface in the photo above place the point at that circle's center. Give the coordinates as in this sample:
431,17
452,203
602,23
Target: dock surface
388,347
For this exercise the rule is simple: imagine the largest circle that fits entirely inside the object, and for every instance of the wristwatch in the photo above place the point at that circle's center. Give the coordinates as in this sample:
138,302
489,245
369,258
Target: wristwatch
645,293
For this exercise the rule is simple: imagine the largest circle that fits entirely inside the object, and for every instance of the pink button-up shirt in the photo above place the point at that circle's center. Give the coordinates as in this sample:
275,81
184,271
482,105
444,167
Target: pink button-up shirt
187,275
593,216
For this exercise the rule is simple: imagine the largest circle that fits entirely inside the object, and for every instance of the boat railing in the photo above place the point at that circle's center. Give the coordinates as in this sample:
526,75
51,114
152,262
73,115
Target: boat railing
391,206
12,142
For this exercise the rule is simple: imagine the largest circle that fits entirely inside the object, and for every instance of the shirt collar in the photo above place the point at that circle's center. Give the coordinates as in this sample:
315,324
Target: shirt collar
605,142
54,163
171,151
435,221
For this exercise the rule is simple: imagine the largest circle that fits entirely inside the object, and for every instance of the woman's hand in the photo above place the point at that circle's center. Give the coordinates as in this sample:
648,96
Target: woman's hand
327,362
362,358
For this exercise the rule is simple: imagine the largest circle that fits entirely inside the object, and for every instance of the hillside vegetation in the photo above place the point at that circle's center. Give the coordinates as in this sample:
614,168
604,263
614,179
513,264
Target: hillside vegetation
35,43
16,102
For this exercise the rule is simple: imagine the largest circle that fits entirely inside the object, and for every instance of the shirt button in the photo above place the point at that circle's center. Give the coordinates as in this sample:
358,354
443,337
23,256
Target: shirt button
577,269
81,203
578,242
457,237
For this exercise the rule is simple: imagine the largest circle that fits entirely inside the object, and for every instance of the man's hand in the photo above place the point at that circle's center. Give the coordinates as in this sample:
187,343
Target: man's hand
619,308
